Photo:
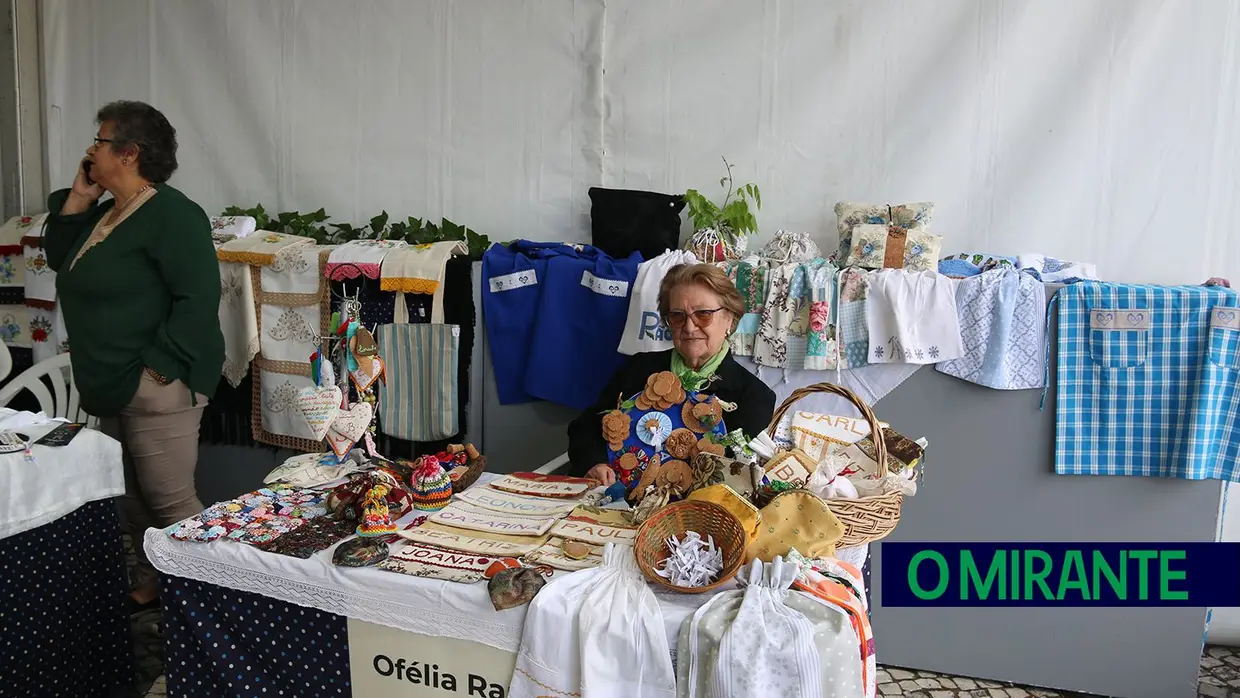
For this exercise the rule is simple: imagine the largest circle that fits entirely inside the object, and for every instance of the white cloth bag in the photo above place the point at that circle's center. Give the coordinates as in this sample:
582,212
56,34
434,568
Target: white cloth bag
912,318
643,328
596,633
764,640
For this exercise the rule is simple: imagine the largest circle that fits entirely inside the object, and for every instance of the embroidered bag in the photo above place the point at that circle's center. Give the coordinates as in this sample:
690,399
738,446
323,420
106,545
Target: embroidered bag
599,633
644,329
763,640
796,519
789,247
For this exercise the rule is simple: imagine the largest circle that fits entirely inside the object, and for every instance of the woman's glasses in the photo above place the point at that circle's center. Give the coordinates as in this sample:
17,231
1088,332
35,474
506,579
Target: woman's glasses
702,318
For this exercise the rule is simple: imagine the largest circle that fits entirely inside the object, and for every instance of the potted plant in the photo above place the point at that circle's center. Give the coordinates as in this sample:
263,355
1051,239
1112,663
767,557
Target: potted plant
721,231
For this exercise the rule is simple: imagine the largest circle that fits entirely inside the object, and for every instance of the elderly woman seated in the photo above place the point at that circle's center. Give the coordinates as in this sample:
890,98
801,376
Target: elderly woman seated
701,308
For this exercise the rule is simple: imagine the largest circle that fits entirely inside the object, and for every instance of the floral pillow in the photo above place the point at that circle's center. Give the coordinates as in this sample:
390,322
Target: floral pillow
915,216
878,246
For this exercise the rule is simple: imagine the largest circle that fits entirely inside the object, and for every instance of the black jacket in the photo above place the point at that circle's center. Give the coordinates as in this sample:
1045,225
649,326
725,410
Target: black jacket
755,403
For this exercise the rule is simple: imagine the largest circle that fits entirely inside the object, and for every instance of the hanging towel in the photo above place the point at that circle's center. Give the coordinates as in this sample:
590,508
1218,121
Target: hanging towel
581,317
418,268
360,258
751,281
1052,271
259,249
512,278
236,226
419,399
40,279
644,330
852,336
12,270
1001,327
912,318
778,315
238,320
820,350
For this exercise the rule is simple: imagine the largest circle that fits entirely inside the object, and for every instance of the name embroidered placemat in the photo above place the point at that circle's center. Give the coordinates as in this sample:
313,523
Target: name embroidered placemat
462,515
506,502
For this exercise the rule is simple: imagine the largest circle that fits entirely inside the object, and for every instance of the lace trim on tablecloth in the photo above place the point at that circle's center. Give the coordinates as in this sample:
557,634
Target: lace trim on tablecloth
372,609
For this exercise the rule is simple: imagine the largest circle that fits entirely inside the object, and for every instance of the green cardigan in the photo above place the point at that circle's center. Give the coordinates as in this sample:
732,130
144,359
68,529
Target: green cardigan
146,297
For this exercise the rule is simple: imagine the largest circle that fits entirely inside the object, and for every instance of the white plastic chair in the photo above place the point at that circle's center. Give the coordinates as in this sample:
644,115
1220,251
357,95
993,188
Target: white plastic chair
61,401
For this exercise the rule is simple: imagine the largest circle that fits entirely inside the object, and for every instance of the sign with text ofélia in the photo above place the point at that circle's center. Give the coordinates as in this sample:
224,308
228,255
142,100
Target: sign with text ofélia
389,663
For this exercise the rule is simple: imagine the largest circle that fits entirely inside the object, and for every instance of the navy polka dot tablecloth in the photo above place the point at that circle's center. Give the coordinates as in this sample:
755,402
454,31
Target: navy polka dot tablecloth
63,629
221,643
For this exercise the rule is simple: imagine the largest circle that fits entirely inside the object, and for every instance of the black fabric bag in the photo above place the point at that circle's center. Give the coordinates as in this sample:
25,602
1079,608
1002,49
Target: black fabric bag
623,221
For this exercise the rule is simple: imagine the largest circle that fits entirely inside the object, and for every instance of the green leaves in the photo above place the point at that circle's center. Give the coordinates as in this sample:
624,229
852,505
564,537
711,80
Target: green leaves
414,231
733,217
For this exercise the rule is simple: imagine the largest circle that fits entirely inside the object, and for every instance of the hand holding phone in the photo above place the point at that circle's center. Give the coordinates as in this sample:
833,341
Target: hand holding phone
85,189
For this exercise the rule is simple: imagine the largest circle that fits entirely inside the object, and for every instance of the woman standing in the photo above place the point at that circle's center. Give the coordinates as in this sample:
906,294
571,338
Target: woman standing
139,287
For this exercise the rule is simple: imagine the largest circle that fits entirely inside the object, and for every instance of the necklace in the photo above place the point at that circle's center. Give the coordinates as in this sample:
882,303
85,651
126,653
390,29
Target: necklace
116,212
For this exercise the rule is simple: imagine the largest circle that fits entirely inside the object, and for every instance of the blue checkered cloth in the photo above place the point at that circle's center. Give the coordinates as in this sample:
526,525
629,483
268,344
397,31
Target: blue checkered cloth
1148,381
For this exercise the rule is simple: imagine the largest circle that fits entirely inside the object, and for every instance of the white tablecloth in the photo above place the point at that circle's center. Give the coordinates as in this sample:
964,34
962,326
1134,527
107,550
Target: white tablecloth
414,604
58,480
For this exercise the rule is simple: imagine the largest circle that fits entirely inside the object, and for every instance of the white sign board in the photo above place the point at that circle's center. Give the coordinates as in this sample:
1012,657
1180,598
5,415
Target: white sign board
389,663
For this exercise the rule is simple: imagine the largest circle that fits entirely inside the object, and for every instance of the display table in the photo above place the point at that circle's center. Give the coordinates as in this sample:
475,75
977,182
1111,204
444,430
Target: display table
62,568
239,620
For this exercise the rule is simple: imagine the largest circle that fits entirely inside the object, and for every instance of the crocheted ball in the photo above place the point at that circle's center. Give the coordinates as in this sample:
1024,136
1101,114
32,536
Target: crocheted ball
432,488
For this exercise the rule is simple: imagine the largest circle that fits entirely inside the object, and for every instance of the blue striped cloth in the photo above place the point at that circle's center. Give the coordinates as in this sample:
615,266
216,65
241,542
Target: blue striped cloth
1148,381
418,398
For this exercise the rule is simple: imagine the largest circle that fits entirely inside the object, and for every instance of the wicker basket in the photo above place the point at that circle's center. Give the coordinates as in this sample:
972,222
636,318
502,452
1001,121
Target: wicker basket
869,518
707,520
476,467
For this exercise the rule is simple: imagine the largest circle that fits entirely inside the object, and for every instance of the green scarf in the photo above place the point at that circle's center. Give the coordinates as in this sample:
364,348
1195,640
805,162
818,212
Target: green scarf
696,380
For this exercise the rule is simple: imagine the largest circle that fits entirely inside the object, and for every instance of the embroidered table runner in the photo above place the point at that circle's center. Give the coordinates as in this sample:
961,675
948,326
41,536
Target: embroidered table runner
1148,381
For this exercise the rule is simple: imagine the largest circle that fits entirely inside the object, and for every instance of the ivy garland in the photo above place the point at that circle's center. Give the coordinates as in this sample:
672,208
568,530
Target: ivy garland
314,225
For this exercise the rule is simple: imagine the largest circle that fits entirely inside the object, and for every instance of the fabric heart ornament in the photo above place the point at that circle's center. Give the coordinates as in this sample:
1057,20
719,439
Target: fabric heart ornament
321,407
368,370
349,427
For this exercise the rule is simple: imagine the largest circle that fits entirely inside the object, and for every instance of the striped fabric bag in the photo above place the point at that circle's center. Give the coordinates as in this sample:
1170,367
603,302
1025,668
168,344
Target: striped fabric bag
419,400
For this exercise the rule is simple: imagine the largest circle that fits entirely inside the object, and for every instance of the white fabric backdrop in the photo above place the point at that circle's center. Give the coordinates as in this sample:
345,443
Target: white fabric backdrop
1099,130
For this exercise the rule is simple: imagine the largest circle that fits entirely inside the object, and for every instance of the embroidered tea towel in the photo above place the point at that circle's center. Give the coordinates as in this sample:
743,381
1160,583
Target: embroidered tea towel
820,350
644,330
12,270
40,280
751,281
853,337
912,318
418,268
295,270
1051,270
260,248
771,343
419,399
462,515
15,326
238,320
507,503
360,258
236,226
597,633
1001,325
480,542
1172,350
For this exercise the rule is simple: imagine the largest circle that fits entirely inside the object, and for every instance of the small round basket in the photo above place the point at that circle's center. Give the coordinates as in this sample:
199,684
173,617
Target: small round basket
708,520
476,467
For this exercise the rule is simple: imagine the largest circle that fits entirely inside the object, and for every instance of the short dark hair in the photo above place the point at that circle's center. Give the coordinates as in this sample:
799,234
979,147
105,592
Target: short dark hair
141,125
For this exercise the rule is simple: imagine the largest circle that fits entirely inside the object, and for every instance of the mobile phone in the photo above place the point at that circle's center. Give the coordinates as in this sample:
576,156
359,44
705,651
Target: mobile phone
61,435
86,165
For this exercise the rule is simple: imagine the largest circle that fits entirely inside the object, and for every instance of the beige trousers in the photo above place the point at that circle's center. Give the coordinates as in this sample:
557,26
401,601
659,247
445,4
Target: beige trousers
158,432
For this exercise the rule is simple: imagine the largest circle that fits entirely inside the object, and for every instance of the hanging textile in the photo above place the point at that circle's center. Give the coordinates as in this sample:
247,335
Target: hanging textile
1001,325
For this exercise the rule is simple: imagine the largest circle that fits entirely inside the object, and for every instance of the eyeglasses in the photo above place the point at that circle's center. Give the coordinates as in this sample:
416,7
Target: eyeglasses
103,140
702,318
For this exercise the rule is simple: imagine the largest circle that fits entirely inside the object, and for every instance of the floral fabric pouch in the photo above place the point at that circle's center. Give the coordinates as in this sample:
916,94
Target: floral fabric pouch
877,246
911,217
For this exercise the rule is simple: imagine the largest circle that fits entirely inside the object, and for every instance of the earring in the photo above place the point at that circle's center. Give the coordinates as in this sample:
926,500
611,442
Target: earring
124,161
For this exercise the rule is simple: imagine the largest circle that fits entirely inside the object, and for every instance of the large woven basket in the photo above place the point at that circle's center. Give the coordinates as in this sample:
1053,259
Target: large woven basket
869,518
707,519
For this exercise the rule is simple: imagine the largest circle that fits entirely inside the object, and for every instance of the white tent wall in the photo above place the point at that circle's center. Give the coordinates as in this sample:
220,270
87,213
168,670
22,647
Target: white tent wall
1100,130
